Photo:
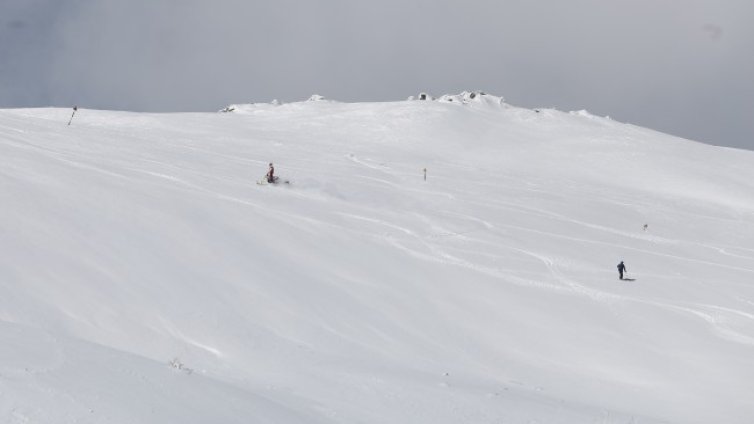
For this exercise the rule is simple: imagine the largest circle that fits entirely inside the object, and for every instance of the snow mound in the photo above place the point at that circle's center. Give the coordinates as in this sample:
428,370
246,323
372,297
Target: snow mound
257,107
422,96
250,107
470,98
586,114
317,98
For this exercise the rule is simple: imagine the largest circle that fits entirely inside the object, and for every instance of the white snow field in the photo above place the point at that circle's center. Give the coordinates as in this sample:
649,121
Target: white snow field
145,277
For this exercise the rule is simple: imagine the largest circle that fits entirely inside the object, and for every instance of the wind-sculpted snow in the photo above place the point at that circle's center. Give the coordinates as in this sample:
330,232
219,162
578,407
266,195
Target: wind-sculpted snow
146,277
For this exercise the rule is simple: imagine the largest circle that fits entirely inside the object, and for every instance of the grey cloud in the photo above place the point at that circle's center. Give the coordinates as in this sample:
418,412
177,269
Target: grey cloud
17,24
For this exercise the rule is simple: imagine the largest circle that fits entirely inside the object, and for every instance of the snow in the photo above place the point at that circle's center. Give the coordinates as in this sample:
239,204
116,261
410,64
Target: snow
146,277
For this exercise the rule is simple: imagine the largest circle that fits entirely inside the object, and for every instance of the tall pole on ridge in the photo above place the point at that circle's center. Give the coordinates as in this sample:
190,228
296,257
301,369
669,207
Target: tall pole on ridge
74,112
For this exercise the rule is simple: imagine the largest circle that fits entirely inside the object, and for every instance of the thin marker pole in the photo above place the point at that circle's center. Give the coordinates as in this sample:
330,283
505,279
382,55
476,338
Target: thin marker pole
74,112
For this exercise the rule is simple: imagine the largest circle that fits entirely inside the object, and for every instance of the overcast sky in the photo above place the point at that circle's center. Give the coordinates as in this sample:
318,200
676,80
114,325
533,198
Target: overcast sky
685,67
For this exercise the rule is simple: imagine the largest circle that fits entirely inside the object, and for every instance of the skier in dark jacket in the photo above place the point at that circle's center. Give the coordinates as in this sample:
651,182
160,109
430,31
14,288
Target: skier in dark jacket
271,174
621,269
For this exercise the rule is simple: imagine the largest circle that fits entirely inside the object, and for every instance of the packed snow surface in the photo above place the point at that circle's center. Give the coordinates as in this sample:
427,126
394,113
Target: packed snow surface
146,277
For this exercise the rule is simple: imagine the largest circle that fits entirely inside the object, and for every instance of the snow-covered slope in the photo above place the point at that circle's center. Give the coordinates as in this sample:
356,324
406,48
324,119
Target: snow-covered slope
146,277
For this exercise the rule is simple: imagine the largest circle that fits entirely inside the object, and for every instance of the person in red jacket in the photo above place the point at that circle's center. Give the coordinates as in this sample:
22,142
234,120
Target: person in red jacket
271,178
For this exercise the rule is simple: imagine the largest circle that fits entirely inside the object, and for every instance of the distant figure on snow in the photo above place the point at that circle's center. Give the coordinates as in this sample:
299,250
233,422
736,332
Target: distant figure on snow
271,178
646,226
621,269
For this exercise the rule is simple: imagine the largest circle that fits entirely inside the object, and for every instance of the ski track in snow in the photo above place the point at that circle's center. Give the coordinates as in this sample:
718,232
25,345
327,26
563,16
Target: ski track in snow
437,254
603,296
